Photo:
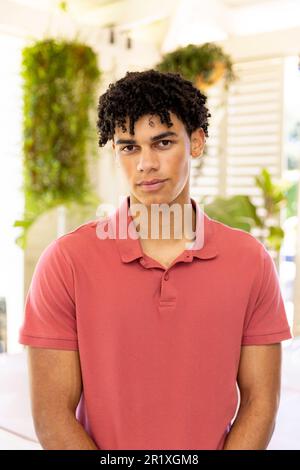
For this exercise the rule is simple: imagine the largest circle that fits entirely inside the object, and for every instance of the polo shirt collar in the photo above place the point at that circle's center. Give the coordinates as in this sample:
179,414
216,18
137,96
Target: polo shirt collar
204,247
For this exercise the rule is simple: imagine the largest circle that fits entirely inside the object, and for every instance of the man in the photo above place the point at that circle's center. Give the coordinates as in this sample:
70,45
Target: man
139,342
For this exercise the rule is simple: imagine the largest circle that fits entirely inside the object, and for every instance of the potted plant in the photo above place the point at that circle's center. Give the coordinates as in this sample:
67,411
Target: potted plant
239,212
204,65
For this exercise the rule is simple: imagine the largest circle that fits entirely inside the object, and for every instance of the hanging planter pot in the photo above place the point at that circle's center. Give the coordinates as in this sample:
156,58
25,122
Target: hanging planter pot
204,65
217,74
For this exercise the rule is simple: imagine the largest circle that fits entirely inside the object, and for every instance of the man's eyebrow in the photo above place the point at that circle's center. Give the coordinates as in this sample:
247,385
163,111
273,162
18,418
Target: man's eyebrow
153,139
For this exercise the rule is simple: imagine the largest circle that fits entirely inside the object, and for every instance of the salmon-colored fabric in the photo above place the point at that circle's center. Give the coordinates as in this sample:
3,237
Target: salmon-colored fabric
159,348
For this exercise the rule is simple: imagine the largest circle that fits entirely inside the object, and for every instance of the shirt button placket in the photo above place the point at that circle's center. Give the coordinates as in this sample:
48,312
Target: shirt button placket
168,295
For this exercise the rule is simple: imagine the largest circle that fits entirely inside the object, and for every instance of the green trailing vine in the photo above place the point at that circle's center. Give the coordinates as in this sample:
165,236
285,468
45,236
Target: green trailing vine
202,65
59,84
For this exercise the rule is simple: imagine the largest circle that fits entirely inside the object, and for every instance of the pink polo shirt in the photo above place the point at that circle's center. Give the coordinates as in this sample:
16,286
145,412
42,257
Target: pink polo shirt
159,348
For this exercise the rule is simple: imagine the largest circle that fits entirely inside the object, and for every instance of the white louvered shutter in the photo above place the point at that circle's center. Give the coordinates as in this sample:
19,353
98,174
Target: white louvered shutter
245,134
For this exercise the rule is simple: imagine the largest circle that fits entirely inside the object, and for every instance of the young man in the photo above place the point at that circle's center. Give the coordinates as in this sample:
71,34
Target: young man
139,342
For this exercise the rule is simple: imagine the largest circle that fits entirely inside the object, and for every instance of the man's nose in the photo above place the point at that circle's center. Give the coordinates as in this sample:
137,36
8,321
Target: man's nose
147,160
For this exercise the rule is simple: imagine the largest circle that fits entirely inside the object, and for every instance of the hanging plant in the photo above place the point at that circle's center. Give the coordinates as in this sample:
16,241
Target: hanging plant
203,65
59,84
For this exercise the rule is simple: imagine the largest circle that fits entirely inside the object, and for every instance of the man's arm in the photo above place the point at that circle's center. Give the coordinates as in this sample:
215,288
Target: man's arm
55,388
259,378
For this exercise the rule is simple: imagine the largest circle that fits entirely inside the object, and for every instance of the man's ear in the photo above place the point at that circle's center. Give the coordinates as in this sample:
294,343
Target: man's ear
197,142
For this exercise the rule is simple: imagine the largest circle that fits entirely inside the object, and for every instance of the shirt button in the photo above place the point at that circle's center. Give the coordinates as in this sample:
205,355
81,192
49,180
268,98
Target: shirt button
166,276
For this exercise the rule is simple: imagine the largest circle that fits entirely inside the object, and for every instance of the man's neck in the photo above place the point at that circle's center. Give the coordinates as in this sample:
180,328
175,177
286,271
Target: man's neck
166,227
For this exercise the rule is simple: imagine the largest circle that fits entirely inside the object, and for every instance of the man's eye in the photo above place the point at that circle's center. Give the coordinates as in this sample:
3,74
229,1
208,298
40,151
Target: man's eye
131,147
127,146
165,140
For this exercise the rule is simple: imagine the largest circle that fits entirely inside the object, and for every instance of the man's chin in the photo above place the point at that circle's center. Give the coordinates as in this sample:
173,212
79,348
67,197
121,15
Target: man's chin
149,199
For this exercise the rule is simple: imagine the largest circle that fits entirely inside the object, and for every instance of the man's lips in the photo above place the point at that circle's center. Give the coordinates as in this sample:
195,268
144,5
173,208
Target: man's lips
152,182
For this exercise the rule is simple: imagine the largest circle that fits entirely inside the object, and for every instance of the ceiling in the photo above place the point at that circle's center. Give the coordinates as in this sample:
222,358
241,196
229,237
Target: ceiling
171,23
95,4
242,3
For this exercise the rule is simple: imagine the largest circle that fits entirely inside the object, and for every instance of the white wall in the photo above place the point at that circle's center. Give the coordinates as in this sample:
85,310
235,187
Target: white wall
11,199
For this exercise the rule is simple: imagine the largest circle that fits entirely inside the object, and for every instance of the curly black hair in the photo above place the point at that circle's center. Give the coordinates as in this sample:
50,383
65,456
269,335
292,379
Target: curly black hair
150,92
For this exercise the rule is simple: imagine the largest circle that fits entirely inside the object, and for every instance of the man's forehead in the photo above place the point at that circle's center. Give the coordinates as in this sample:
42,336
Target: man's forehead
149,121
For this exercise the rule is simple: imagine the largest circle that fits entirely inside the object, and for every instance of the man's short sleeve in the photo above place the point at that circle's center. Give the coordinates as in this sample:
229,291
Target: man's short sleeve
266,320
50,314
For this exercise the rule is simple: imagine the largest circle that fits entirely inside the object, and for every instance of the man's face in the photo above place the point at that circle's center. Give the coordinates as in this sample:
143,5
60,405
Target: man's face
157,151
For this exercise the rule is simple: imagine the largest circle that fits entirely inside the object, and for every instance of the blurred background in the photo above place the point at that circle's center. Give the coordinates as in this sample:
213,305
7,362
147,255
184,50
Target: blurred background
57,57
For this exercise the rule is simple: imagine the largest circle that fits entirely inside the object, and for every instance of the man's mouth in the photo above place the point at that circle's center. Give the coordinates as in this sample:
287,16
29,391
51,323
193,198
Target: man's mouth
150,182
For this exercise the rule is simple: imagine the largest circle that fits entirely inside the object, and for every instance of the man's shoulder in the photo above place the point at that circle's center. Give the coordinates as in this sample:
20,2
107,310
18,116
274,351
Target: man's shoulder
81,238
79,232
235,239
